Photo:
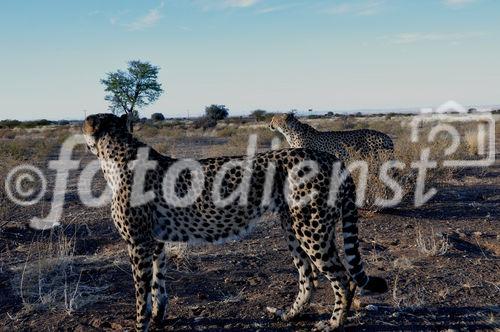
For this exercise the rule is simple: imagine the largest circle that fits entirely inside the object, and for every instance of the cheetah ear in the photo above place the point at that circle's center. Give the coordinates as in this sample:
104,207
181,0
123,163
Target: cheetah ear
126,121
91,125
124,118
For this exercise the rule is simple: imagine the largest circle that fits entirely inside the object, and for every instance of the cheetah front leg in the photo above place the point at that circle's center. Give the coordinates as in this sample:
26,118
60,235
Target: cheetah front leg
340,287
306,280
159,292
141,260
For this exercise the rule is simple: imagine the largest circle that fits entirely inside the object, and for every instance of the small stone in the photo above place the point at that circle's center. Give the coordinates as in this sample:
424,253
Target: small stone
254,281
371,307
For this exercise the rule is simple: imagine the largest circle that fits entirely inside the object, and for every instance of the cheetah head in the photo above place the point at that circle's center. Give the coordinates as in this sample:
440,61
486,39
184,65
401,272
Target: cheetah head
97,126
281,122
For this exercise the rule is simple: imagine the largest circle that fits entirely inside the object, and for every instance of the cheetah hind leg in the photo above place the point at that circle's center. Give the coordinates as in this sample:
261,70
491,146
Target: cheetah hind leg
306,280
159,292
315,276
351,292
141,259
342,291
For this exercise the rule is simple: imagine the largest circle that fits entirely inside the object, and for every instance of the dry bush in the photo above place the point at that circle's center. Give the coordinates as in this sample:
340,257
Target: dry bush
472,142
348,123
48,280
397,298
204,123
226,131
432,244
57,135
163,147
18,150
238,141
28,149
6,133
375,188
14,153
264,136
403,263
145,131
395,127
331,124
53,277
407,153
175,132
403,295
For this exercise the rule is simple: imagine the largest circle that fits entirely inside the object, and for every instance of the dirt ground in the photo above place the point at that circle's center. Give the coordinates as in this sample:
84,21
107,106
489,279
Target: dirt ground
87,285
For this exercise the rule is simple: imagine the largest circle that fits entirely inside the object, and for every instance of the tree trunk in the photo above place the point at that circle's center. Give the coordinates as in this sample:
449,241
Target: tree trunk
130,121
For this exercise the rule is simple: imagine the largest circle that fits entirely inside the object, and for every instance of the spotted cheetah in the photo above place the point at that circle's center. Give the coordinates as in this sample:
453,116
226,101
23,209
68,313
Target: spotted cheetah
277,180
339,143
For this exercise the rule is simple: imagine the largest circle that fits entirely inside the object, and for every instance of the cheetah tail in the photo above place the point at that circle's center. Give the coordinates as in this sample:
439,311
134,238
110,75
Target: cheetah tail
353,262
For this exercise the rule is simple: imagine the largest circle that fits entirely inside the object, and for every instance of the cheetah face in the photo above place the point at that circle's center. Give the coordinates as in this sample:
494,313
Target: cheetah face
280,122
98,125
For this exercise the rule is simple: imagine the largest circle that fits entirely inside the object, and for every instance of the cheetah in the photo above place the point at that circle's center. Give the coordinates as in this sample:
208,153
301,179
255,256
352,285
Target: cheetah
301,135
277,181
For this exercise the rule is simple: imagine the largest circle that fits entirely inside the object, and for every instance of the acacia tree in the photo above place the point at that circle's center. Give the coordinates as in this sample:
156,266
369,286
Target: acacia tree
259,115
132,89
216,112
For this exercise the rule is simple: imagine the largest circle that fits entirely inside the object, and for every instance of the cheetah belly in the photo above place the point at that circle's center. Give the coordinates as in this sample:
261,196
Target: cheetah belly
195,225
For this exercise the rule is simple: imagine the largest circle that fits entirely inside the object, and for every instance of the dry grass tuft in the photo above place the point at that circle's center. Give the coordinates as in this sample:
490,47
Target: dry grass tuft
179,256
375,188
51,277
48,280
433,244
472,142
6,205
403,263
14,152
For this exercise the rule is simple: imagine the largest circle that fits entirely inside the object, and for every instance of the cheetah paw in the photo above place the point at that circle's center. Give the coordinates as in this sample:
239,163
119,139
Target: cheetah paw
326,326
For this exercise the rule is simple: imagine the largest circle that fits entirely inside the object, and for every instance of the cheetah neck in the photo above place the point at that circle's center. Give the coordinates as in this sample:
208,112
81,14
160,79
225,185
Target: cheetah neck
297,133
115,154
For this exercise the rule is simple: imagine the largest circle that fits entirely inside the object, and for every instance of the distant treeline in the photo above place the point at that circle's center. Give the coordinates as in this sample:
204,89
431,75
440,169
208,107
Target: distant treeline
257,115
33,123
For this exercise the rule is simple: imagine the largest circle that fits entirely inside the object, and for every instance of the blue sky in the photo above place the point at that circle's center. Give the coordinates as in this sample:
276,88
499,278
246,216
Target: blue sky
248,54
